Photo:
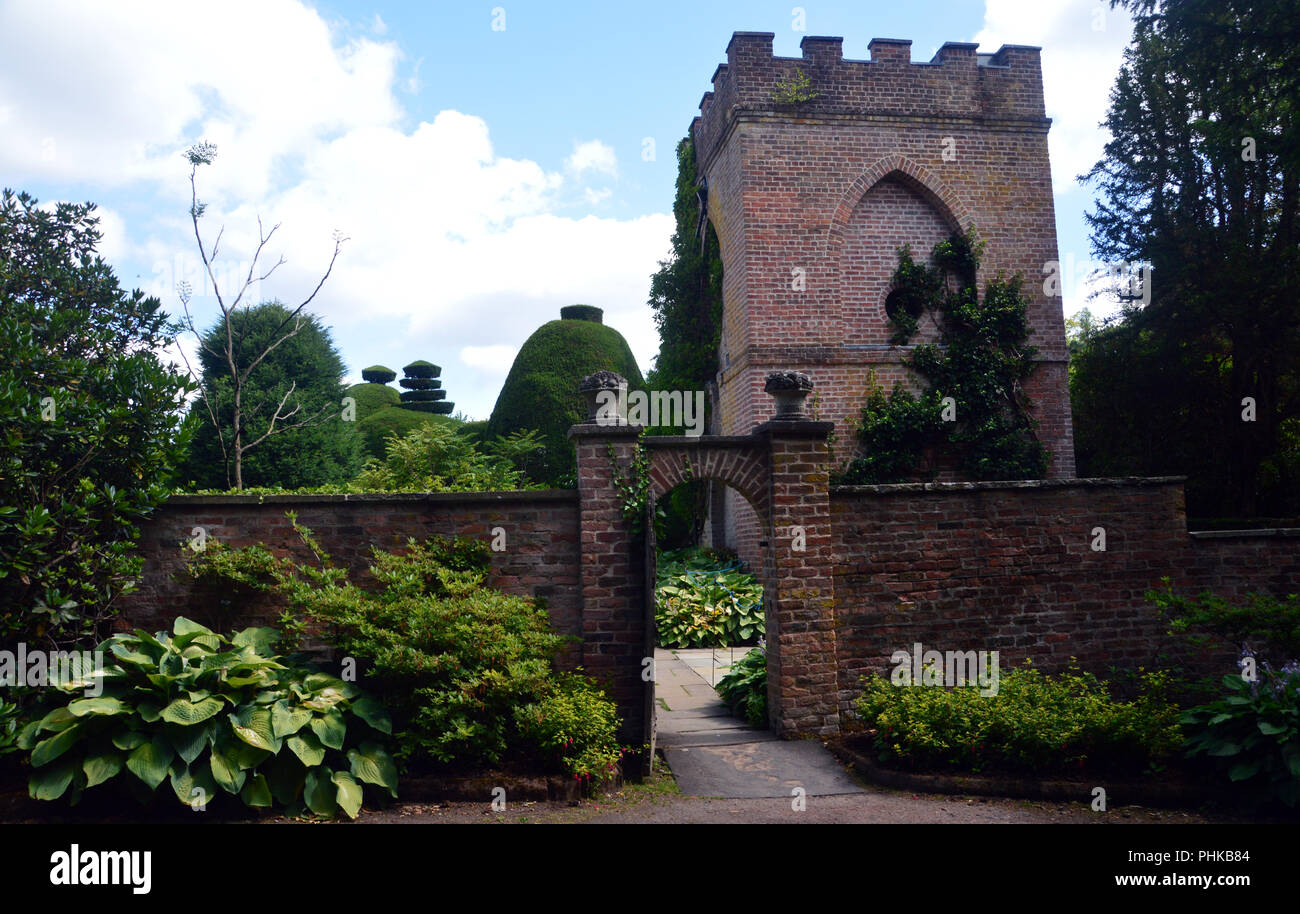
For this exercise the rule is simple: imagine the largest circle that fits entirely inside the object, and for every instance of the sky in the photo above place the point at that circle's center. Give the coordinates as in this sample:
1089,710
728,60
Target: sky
487,163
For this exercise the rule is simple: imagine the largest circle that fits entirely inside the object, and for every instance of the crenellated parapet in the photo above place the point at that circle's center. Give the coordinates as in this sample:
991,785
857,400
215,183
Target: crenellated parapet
959,82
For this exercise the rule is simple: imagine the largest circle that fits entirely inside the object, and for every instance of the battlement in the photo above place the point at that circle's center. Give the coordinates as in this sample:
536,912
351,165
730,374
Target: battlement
958,82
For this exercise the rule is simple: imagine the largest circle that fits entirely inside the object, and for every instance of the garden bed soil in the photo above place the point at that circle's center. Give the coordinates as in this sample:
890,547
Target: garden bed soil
1168,789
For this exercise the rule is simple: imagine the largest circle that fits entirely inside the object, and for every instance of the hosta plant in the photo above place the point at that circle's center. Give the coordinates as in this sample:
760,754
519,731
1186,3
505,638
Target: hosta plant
704,600
207,715
1253,731
744,687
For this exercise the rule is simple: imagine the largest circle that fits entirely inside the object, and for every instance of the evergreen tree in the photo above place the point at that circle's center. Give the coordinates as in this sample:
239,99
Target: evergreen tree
301,378
1201,180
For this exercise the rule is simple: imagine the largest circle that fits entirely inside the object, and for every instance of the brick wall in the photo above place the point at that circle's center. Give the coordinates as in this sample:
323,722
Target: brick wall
540,559
1010,567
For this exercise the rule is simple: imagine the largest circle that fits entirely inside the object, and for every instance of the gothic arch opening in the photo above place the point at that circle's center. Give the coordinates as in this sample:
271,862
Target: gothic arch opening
895,211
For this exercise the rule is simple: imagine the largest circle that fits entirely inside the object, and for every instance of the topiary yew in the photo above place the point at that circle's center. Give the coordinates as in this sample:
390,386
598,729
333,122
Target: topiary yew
378,374
541,391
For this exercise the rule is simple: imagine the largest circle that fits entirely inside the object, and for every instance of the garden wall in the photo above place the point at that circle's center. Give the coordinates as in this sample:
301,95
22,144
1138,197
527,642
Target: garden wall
1011,567
540,558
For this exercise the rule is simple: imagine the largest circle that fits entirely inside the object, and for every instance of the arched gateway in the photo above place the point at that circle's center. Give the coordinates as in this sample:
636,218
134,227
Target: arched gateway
782,468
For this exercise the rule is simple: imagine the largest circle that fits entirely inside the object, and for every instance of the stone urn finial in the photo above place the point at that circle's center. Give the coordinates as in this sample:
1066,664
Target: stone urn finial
598,407
790,389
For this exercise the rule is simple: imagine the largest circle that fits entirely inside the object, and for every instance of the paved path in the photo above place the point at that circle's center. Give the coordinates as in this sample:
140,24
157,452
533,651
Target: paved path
714,754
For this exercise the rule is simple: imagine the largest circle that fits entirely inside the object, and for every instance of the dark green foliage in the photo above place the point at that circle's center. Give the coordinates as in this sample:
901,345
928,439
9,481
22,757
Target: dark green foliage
371,398
705,598
1266,626
327,450
1159,390
436,458
1252,733
744,687
541,391
422,369
379,426
79,471
378,374
211,715
1035,723
686,292
686,296
582,313
981,363
443,408
422,384
467,671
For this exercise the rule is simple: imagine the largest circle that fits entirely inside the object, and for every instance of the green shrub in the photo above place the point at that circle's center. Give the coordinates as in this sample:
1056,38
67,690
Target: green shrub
577,725
1267,626
212,714
1035,723
378,374
379,426
704,599
1252,732
11,721
466,670
434,458
744,687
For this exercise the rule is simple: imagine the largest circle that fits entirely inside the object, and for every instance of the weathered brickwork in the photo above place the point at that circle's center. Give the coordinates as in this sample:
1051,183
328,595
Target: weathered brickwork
812,200
1011,567
541,558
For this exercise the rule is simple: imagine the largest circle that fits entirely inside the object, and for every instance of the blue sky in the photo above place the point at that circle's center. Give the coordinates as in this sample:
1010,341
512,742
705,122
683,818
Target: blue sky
484,176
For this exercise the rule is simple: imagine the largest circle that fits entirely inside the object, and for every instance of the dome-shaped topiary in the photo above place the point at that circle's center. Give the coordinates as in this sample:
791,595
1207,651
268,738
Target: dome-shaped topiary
372,397
378,374
386,423
422,369
541,391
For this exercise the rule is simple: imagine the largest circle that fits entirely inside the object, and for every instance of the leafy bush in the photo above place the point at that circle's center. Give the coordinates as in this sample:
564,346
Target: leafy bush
1267,626
704,600
1253,731
422,369
582,313
378,374
466,670
435,458
90,427
390,422
207,714
11,720
1035,723
744,687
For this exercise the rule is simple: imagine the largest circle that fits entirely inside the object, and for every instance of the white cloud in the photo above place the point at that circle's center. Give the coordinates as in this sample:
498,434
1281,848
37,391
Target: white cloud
455,254
1083,44
592,155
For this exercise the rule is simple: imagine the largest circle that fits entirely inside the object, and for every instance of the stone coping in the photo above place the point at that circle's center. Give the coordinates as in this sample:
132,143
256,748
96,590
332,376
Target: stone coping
907,488
1278,532
521,495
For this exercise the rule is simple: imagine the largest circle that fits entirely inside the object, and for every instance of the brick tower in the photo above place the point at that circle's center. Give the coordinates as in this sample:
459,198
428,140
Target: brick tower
812,196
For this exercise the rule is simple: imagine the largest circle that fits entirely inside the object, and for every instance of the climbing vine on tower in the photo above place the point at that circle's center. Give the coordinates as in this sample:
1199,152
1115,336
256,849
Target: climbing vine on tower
974,410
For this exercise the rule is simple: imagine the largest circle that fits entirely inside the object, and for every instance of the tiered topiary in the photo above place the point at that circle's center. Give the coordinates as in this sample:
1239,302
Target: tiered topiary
423,390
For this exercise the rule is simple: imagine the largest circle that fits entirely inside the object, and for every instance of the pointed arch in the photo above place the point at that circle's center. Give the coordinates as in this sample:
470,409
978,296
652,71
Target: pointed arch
912,175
